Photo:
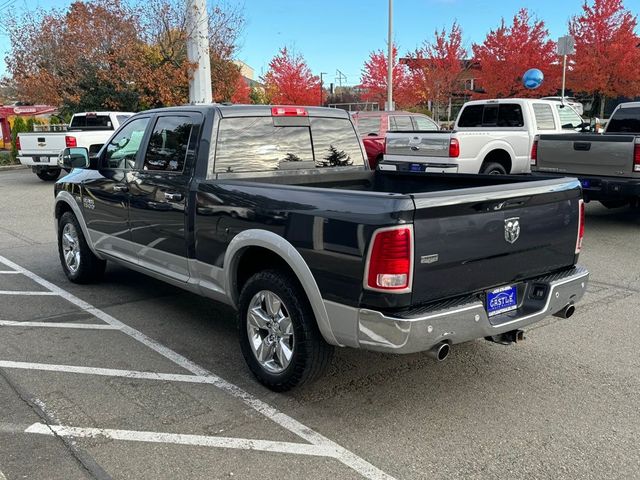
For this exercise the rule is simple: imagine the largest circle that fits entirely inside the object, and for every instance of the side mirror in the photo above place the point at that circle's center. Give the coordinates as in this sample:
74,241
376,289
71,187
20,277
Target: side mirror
74,158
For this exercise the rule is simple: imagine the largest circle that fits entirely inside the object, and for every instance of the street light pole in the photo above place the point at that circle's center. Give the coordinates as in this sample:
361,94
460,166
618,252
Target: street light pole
390,60
198,51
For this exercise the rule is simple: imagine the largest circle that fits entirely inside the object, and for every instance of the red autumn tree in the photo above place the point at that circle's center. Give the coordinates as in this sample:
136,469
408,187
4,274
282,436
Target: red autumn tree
435,67
289,80
241,94
373,81
511,50
607,60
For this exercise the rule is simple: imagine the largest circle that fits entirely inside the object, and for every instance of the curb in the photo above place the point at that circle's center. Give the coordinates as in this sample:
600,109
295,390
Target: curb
13,167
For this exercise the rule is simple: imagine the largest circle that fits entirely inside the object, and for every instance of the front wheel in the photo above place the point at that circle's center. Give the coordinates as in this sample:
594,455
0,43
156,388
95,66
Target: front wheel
79,263
278,333
48,174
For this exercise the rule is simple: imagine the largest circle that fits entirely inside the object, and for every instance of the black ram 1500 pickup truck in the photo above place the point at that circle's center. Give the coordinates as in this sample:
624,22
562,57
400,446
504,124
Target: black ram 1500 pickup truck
273,211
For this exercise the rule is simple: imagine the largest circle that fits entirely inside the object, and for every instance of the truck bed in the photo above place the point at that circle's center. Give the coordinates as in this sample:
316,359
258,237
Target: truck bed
459,224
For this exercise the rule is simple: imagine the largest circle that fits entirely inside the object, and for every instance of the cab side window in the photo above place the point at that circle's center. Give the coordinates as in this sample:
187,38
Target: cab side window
123,148
400,123
568,117
170,144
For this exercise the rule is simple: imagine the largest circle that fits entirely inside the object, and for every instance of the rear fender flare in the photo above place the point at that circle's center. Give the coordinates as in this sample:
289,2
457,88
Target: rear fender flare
498,145
286,251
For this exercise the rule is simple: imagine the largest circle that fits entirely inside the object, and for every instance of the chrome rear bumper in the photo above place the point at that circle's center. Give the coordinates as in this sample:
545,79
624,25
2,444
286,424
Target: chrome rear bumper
457,322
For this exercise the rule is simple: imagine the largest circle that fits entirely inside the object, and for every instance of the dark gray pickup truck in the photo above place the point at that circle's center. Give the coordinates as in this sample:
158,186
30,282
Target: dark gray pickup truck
607,165
274,211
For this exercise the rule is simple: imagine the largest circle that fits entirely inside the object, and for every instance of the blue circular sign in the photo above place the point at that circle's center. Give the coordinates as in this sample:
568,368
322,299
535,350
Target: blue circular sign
532,78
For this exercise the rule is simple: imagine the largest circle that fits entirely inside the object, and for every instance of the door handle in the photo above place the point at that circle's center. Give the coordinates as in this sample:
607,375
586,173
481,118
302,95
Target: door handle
582,146
120,188
172,197
415,148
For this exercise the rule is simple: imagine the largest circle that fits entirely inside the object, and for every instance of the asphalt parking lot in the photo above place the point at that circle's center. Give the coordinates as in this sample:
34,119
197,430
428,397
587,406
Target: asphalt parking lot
135,379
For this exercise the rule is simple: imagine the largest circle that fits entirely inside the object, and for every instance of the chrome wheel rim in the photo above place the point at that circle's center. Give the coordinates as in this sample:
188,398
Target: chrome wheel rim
71,247
270,331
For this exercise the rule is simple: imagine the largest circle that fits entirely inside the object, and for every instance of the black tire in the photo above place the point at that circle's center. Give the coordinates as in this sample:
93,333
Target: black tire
311,355
49,174
89,267
614,203
493,168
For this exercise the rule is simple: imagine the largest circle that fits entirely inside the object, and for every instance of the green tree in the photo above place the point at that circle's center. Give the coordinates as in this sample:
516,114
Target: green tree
19,126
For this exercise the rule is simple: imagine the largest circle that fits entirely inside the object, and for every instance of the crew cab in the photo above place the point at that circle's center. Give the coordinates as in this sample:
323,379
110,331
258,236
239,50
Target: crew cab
490,136
274,211
607,165
40,150
373,127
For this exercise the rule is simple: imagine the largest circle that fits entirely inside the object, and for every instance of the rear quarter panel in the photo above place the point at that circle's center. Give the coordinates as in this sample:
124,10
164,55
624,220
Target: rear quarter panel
330,228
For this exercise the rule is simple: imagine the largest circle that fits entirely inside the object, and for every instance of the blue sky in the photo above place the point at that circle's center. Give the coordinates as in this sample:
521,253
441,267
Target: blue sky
339,34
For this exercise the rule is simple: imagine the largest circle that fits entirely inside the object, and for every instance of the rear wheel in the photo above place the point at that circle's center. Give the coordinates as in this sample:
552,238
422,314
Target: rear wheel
493,168
49,174
278,333
79,263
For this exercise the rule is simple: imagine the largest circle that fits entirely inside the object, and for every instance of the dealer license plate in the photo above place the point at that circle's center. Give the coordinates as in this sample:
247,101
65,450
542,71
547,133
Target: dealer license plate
501,300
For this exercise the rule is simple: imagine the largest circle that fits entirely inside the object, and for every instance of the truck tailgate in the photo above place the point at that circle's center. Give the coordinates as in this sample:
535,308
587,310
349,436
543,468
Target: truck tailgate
598,155
481,238
46,144
418,144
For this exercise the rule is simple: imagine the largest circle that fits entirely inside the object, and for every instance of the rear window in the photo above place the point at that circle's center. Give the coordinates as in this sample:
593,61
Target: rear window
503,115
255,144
91,122
625,120
367,125
544,116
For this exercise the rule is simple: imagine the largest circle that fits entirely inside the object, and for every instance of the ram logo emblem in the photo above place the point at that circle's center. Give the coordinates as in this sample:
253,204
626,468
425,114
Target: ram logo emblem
512,229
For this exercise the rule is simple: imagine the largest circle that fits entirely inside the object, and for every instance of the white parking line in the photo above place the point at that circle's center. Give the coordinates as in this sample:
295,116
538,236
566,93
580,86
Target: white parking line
109,372
8,272
2,477
345,456
85,326
183,439
17,292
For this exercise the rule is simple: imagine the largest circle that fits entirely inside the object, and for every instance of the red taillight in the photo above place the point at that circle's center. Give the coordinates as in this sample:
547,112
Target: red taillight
636,158
534,153
454,148
289,112
580,226
70,141
389,265
18,147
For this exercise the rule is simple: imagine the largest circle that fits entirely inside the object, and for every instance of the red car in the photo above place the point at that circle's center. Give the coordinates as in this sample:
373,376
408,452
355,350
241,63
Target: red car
373,126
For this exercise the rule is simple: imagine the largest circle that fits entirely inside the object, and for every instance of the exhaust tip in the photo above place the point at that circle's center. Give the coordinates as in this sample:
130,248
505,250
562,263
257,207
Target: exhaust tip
440,351
566,312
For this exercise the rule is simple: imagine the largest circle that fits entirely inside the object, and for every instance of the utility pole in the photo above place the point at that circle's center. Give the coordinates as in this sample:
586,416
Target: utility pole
390,61
321,88
198,51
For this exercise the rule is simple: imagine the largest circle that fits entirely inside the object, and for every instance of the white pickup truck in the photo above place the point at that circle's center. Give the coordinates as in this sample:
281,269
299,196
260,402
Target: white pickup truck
490,136
40,150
